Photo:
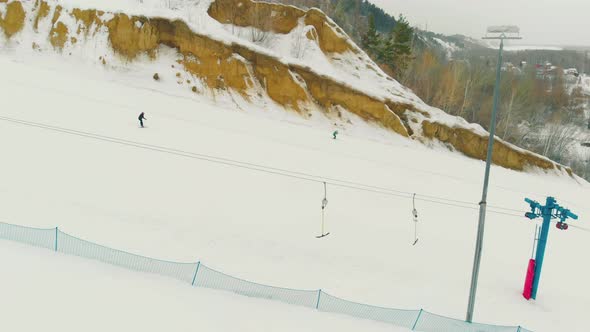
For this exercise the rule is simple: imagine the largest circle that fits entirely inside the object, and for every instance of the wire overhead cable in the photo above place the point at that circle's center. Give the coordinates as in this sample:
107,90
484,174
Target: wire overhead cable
270,170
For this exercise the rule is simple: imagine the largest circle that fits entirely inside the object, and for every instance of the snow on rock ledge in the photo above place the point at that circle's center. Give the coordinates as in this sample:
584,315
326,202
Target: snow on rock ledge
334,73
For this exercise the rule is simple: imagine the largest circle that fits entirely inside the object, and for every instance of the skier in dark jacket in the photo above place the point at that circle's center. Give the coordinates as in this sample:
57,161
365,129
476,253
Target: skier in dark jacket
141,118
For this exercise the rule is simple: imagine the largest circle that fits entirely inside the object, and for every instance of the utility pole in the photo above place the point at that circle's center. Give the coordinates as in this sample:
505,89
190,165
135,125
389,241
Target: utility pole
498,33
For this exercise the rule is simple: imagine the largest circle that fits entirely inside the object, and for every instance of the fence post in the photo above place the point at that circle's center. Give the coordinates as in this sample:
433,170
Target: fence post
417,319
55,238
196,270
317,305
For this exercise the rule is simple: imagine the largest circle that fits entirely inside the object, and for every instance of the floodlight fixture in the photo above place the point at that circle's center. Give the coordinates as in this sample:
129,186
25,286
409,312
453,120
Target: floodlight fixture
504,29
503,32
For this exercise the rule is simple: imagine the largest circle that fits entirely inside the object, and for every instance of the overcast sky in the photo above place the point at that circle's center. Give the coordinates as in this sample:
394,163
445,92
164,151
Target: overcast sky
542,22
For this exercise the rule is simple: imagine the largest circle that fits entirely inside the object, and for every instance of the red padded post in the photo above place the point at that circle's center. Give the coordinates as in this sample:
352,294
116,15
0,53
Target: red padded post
528,282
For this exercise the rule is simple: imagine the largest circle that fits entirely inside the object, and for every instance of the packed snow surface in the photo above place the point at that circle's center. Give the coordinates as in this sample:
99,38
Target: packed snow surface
254,225
75,294
261,226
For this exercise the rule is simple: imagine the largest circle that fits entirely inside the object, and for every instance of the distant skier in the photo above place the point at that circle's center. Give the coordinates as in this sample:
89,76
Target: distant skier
141,118
335,133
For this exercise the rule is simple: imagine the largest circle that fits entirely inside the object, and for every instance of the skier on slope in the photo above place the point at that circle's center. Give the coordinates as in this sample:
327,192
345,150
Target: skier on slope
141,118
335,133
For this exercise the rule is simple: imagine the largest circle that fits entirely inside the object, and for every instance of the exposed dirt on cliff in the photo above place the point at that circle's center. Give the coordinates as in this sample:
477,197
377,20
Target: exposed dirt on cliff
475,146
231,66
14,19
42,12
281,19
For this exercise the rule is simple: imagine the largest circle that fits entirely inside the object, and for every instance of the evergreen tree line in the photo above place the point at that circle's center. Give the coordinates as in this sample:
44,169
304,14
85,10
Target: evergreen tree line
393,51
387,40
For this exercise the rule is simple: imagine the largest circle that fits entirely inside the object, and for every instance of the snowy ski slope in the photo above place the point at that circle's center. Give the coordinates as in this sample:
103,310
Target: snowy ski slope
77,294
257,225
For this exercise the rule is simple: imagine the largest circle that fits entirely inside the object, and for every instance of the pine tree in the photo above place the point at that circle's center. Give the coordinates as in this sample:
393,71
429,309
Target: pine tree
371,40
402,35
386,53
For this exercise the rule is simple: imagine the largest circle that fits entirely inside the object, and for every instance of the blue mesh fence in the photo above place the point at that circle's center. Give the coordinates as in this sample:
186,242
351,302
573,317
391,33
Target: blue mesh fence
74,246
430,322
405,318
34,236
209,278
200,275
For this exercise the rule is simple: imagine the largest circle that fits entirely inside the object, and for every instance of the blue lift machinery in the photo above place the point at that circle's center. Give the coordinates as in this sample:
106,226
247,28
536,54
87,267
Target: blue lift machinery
551,210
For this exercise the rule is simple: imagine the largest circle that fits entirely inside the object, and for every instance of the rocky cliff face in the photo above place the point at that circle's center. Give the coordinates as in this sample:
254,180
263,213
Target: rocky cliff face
14,19
282,19
232,65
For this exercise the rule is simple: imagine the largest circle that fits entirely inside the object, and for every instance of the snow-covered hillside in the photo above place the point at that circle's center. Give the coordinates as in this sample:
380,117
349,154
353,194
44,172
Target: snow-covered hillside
532,47
585,84
255,54
261,226
76,74
448,47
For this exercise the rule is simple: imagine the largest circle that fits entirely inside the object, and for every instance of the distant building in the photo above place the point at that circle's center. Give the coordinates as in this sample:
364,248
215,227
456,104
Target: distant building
546,71
571,76
571,72
509,67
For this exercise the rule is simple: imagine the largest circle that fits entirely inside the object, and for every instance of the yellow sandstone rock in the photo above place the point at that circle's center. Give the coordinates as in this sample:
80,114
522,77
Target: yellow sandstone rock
222,66
14,19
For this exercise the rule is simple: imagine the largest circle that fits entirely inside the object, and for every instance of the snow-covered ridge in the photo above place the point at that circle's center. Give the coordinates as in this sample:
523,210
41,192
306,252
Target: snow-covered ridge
290,68
532,47
448,47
